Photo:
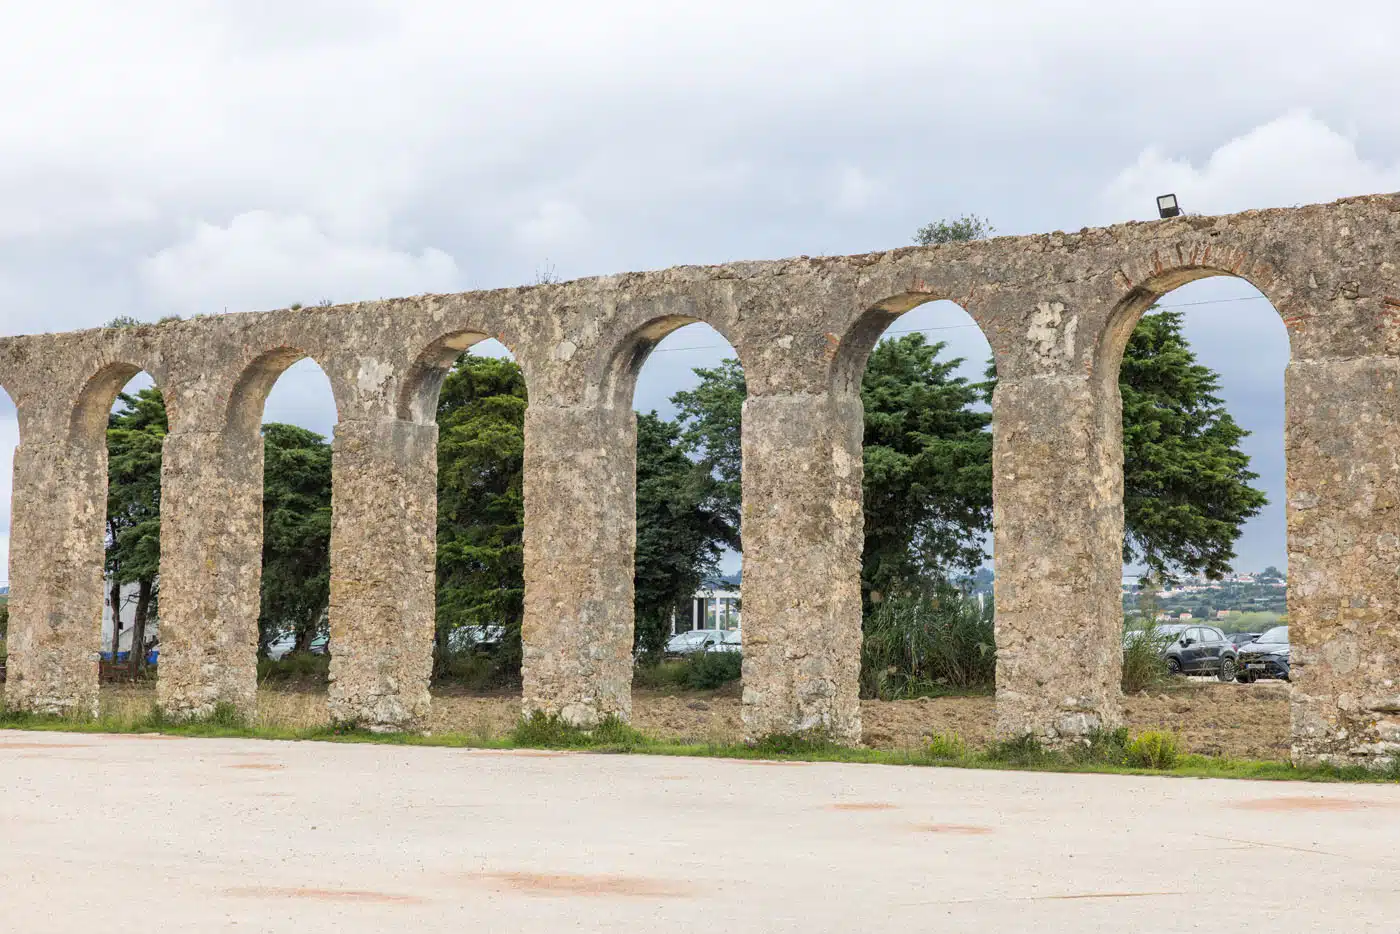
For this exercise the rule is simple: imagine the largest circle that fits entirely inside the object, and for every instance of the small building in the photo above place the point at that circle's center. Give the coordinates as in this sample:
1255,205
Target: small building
129,593
716,605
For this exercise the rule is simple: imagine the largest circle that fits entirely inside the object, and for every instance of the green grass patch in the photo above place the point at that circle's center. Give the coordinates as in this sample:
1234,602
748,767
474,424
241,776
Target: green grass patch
550,732
1110,752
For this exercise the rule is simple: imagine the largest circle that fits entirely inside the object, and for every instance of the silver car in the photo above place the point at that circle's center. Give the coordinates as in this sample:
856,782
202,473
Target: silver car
705,640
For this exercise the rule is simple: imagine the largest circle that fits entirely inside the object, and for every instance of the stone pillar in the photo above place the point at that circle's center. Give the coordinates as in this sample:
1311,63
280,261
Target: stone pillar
1343,449
210,573
803,532
56,577
1057,482
383,573
580,536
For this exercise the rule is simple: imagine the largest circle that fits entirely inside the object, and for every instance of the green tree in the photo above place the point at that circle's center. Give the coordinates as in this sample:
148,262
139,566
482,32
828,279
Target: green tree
296,535
928,467
711,416
481,515
136,432
928,450
679,536
970,227
1186,483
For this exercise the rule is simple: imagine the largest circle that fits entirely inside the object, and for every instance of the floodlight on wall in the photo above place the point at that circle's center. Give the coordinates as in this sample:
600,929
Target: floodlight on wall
1167,206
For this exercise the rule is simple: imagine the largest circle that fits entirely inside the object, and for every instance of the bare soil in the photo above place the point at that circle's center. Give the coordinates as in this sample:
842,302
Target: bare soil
1230,720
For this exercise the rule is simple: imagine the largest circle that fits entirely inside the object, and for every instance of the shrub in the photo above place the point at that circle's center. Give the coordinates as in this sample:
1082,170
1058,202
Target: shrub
709,670
1105,747
661,676
946,747
1154,749
702,671
928,643
1143,665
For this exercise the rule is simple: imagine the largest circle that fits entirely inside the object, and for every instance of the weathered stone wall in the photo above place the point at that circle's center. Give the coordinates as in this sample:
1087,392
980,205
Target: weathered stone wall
1056,308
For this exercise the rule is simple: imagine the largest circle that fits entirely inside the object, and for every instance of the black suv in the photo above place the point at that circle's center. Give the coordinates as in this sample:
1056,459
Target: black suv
1202,650
1269,656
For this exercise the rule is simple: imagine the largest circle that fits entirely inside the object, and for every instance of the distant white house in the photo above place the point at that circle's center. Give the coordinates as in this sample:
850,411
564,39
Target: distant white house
128,615
716,605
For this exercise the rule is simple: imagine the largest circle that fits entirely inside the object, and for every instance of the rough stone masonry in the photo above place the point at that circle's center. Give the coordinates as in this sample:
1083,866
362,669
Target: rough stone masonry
1057,310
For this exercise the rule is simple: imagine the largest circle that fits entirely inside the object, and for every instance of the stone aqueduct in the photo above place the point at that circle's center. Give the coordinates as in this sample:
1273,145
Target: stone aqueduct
1057,310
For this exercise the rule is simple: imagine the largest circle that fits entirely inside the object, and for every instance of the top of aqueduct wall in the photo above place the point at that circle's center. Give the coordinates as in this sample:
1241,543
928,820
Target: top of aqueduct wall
1055,304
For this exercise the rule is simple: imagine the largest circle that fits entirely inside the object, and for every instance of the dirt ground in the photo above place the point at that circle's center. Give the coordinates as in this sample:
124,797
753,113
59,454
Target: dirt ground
1233,720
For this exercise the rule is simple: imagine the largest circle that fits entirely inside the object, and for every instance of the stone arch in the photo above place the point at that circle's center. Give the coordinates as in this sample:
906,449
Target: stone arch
88,421
248,396
1162,273
628,355
851,353
418,394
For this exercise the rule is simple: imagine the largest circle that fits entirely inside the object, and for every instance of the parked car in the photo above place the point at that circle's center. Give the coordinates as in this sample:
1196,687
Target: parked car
705,640
1241,639
730,640
1266,657
684,643
1202,650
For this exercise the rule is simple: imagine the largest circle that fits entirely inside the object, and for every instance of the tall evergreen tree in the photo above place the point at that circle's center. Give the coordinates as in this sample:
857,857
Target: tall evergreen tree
296,535
136,432
1186,483
481,513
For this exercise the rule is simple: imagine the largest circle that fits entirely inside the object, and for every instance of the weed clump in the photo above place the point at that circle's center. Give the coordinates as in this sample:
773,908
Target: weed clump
1154,749
946,747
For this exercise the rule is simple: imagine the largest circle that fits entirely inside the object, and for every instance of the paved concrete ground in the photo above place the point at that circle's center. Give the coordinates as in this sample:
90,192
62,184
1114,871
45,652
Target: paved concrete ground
119,834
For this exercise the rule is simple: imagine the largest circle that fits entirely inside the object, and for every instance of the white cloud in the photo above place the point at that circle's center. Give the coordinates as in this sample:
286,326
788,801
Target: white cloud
553,224
264,260
1295,159
856,191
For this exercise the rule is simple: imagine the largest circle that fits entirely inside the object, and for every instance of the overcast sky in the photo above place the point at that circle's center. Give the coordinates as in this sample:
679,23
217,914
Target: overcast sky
181,157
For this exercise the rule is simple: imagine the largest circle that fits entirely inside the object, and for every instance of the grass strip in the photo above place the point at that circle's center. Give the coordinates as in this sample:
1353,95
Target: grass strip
1111,753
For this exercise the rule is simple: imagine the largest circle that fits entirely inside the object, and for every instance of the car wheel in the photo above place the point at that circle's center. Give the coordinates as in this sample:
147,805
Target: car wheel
1228,669
1173,665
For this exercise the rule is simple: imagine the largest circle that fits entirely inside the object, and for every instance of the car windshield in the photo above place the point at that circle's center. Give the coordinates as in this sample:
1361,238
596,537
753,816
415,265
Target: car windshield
1276,635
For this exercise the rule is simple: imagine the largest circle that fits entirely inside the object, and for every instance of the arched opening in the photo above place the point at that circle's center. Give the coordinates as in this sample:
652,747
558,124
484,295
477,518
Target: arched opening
1205,550
478,396
285,403
9,441
136,425
924,375
473,389
686,384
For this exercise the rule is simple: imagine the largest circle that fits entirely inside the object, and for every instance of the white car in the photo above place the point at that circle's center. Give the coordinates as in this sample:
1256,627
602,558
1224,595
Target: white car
706,640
